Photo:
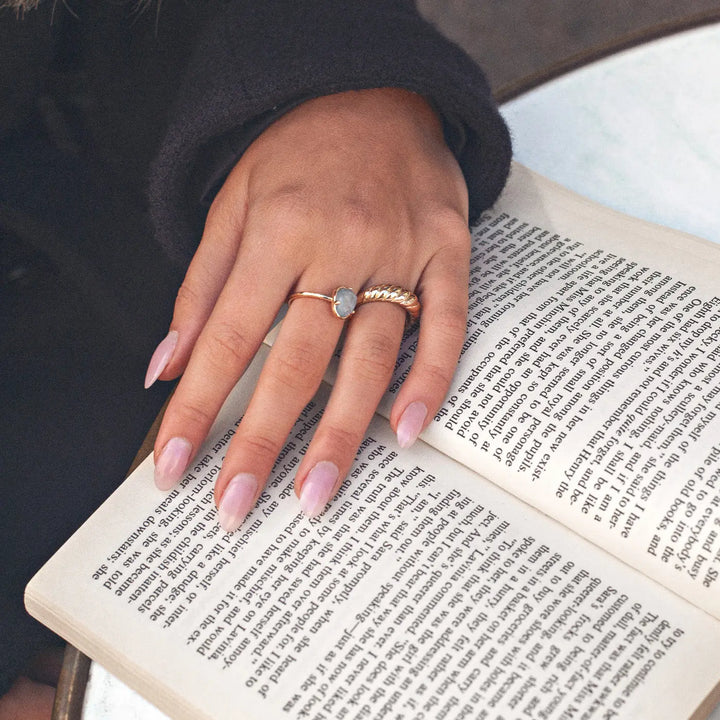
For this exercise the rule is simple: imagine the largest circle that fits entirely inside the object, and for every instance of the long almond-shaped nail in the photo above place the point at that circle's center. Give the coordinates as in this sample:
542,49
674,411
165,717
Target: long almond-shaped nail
237,501
160,358
172,463
318,487
411,423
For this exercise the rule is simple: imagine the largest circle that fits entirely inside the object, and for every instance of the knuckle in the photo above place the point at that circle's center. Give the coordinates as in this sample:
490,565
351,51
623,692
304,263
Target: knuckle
286,208
221,216
374,359
259,445
358,215
451,321
344,442
226,346
436,375
449,221
298,368
192,415
187,298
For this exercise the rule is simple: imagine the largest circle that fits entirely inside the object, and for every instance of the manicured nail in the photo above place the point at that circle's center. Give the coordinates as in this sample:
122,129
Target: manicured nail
172,463
411,423
318,487
237,501
161,357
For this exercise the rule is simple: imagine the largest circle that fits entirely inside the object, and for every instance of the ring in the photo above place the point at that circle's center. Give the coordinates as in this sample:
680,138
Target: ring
393,294
342,301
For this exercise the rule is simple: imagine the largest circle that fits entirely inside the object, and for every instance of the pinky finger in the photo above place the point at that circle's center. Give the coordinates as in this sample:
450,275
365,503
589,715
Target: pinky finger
443,325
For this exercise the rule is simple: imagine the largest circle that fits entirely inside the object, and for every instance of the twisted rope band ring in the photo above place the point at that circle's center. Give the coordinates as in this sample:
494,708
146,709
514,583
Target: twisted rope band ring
342,301
393,294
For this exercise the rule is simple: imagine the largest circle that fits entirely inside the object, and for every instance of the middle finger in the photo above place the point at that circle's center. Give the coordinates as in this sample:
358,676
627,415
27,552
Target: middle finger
291,375
368,359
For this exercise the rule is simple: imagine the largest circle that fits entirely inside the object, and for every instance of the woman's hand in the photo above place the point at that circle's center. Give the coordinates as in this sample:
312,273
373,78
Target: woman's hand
353,189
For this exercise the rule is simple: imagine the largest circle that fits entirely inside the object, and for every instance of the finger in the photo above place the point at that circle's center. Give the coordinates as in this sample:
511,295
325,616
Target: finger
368,358
237,325
288,381
205,278
444,296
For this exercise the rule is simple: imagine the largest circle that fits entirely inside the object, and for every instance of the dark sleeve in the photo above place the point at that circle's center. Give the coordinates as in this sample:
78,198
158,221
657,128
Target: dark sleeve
257,59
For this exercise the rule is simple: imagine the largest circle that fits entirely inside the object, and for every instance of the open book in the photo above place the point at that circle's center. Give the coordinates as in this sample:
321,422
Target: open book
549,549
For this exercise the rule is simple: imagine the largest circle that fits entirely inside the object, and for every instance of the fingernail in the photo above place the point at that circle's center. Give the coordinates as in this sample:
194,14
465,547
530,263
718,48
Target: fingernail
237,501
160,358
318,487
411,423
173,461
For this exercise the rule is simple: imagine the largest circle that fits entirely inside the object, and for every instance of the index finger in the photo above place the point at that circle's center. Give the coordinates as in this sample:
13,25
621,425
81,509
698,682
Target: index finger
234,331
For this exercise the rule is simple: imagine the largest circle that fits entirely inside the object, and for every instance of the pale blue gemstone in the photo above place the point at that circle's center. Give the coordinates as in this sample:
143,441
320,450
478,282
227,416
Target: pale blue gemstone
344,302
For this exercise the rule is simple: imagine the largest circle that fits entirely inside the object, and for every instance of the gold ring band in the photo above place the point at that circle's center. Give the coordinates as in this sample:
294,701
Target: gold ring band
393,294
342,302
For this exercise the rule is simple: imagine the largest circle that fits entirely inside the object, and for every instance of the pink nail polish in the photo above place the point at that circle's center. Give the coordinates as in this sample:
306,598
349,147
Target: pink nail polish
318,487
411,423
237,501
172,463
160,358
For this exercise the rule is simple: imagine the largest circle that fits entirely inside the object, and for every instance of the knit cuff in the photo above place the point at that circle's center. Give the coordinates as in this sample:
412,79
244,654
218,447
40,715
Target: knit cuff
256,60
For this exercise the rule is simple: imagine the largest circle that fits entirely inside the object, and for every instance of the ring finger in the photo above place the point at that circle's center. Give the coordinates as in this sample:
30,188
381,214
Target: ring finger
368,359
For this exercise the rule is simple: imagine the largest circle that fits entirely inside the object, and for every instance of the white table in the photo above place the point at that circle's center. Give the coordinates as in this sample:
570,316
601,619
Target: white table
639,132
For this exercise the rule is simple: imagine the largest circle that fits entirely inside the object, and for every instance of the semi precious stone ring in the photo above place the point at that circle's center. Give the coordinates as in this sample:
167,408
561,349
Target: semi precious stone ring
342,301
393,294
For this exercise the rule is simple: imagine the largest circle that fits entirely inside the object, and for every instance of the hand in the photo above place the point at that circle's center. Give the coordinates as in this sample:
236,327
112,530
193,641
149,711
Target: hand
352,190
32,695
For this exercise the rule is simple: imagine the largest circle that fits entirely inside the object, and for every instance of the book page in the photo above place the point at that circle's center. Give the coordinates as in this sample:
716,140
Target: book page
589,383
423,592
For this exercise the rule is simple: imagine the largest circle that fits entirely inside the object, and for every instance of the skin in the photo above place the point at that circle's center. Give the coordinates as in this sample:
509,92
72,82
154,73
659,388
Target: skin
353,189
32,695
27,700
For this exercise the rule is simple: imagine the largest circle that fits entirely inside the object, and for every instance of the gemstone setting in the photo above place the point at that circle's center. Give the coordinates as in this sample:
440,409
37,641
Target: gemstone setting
344,301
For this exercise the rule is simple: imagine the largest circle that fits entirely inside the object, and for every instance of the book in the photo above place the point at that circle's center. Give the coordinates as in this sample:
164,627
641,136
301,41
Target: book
549,548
